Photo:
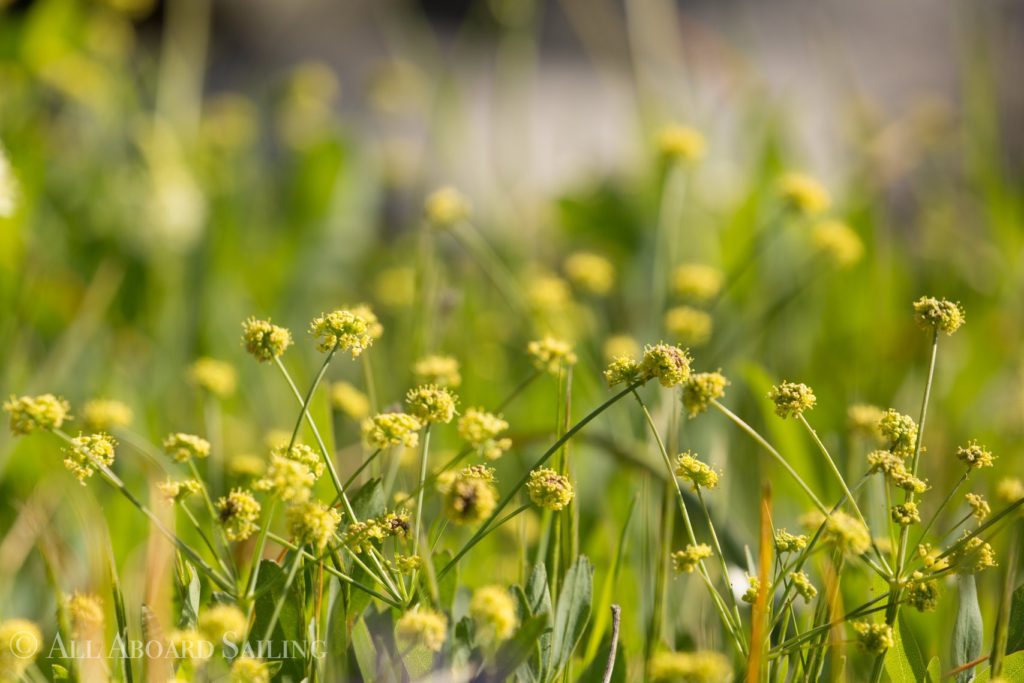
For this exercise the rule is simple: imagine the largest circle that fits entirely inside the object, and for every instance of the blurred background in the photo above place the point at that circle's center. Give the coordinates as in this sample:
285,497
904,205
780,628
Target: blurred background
172,168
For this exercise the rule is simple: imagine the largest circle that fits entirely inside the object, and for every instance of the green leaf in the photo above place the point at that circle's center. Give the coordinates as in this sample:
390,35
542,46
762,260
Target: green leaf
188,590
338,638
1013,669
538,596
418,661
602,608
1015,638
449,583
365,652
968,632
572,612
369,501
60,673
934,673
904,662
289,627
518,649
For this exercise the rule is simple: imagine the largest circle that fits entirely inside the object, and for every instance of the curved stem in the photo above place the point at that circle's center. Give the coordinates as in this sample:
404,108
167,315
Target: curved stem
774,453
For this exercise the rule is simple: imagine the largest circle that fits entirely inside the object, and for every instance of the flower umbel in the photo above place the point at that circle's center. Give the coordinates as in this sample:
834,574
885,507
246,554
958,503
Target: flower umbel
431,404
264,340
791,399
702,388
493,610
342,330
669,364
391,429
183,447
700,474
87,453
687,559
550,355
237,513
939,314
482,430
549,489
32,413
420,626
975,456
874,638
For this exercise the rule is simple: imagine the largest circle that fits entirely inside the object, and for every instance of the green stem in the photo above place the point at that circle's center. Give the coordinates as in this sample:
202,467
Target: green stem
842,483
774,453
483,530
359,470
419,497
112,479
734,628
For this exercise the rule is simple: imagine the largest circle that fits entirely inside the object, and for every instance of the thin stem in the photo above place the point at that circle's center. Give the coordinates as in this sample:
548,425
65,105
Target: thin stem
333,571
734,627
261,543
483,530
359,470
116,482
419,497
774,453
842,483
931,522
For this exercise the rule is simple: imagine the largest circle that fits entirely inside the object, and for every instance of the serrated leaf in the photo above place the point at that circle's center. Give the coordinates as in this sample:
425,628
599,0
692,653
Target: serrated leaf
968,631
572,612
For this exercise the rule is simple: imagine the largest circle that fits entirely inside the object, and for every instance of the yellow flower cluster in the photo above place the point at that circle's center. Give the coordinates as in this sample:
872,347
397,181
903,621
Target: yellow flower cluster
803,586
264,340
791,399
291,481
700,474
238,513
548,489
183,447
88,452
223,623
33,413
445,207
697,281
837,242
102,415
690,667
349,400
975,456
493,611
246,669
669,364
847,533
442,371
688,325
215,376
677,142
702,388
687,559
471,497
482,430
20,643
550,355
905,514
421,626
874,638
980,508
786,542
313,523
177,491
391,429
804,194
590,273
431,404
939,314
343,330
